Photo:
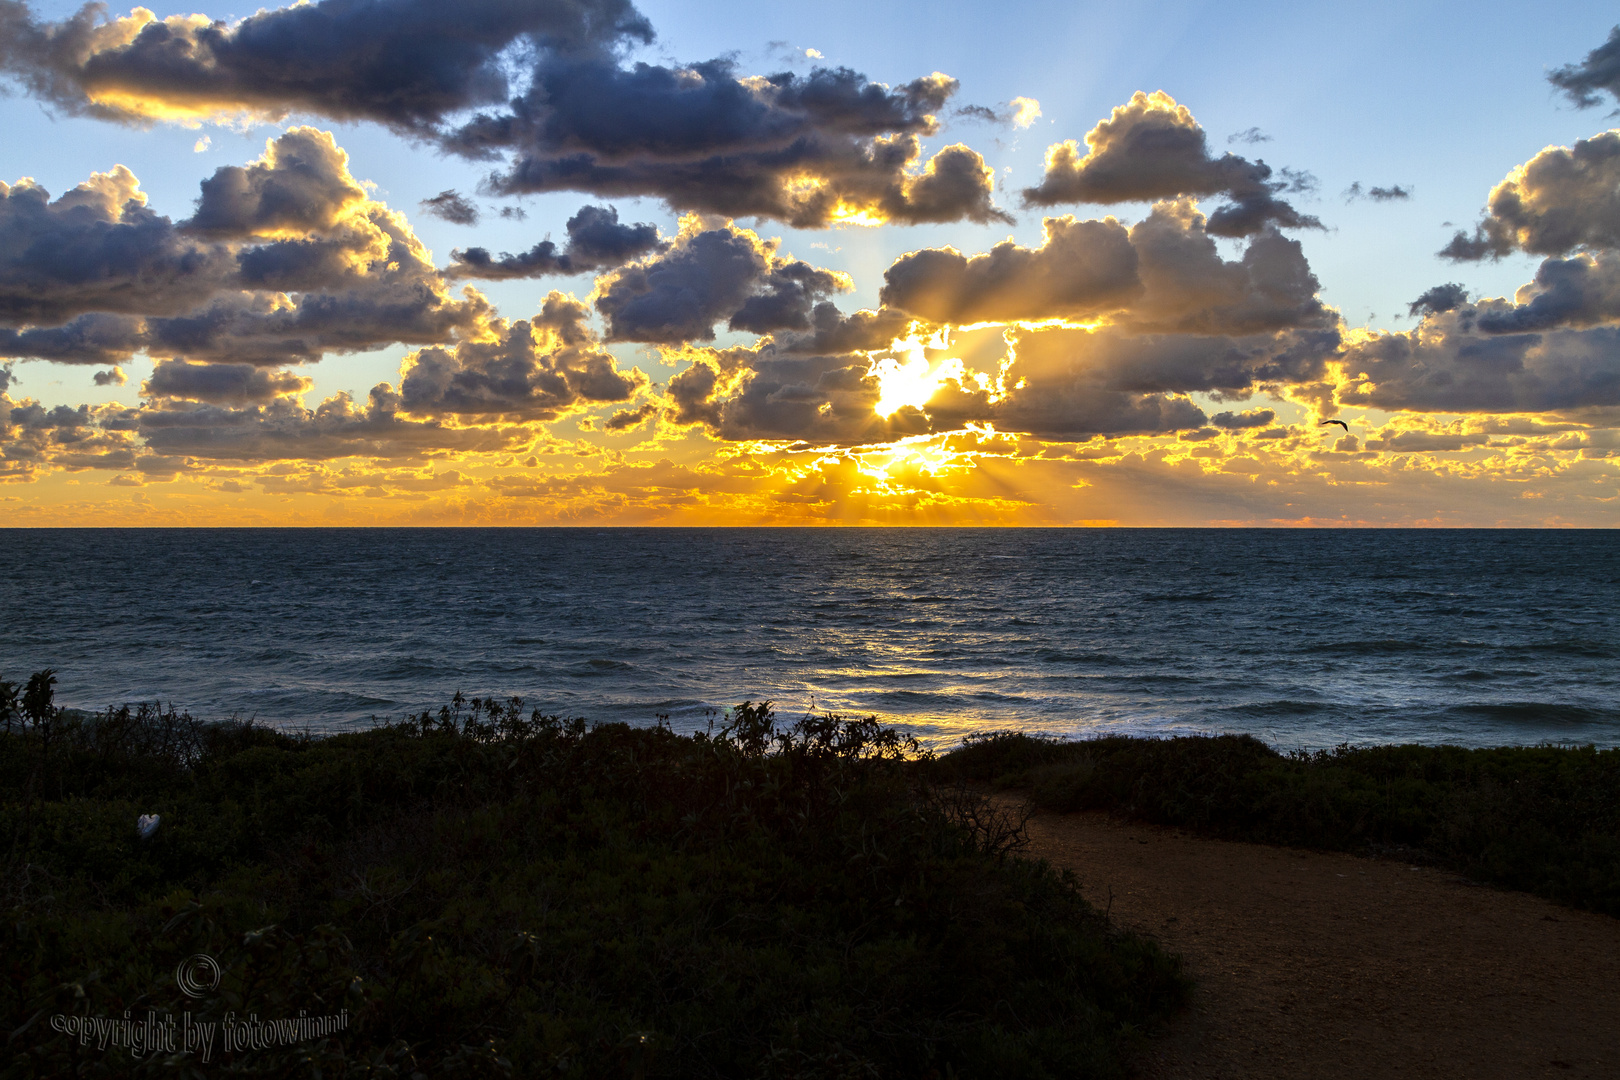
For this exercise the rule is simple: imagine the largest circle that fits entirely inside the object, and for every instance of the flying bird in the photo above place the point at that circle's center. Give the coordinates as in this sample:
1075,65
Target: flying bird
1341,423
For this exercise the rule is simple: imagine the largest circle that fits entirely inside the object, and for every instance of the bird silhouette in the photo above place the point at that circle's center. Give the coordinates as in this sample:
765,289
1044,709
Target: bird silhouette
1341,423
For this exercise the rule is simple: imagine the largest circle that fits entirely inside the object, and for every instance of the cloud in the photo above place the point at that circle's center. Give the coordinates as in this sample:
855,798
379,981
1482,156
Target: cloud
450,205
1249,136
1025,111
809,150
1242,421
1580,291
1450,364
1562,199
1392,193
596,241
1152,148
113,377
300,185
225,384
833,332
284,430
1599,71
1082,269
404,63
629,419
557,103
286,259
710,274
535,369
96,248
1438,299
1165,273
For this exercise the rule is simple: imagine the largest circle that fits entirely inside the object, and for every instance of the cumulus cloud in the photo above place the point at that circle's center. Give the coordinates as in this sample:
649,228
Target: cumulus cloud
1600,71
596,241
1562,199
1440,298
405,63
710,274
226,384
450,205
1152,148
1242,421
300,185
96,248
285,260
535,369
283,430
1082,269
810,150
556,101
1164,273
114,376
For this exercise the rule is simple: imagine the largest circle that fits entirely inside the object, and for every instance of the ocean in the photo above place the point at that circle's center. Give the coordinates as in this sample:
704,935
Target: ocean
1303,638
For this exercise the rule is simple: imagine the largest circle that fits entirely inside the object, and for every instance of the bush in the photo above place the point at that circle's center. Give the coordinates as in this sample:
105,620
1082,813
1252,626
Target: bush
1543,819
489,892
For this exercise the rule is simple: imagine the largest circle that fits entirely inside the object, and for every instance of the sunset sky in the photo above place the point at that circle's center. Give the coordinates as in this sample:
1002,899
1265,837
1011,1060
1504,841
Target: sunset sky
539,262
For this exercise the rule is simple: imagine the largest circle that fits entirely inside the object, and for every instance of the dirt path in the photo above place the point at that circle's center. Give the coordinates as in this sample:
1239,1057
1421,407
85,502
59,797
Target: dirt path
1313,965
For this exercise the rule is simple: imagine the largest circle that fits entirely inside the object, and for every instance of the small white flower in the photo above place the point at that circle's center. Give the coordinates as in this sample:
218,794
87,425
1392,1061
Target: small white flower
146,825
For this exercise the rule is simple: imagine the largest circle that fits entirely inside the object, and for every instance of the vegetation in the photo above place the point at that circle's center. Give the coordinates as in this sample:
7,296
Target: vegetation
1543,819
484,892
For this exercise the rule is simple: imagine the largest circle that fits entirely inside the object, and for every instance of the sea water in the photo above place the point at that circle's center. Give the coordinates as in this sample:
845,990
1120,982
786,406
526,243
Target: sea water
1304,638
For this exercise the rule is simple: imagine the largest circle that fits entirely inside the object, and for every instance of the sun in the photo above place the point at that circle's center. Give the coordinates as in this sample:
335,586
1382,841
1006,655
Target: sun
906,379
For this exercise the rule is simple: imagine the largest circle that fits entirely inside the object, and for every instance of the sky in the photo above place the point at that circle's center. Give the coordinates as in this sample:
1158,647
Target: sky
594,262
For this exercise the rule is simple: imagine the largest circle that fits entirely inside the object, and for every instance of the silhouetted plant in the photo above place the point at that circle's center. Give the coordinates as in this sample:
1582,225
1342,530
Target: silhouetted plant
495,891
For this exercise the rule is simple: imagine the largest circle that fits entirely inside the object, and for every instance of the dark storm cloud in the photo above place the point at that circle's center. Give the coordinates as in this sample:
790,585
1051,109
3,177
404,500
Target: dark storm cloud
535,370
450,205
1562,199
1599,71
1393,193
1151,148
706,276
596,241
1440,298
809,150
405,63
225,384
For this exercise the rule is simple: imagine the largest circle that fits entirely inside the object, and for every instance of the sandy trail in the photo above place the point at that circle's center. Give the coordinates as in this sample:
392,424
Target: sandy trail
1320,965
